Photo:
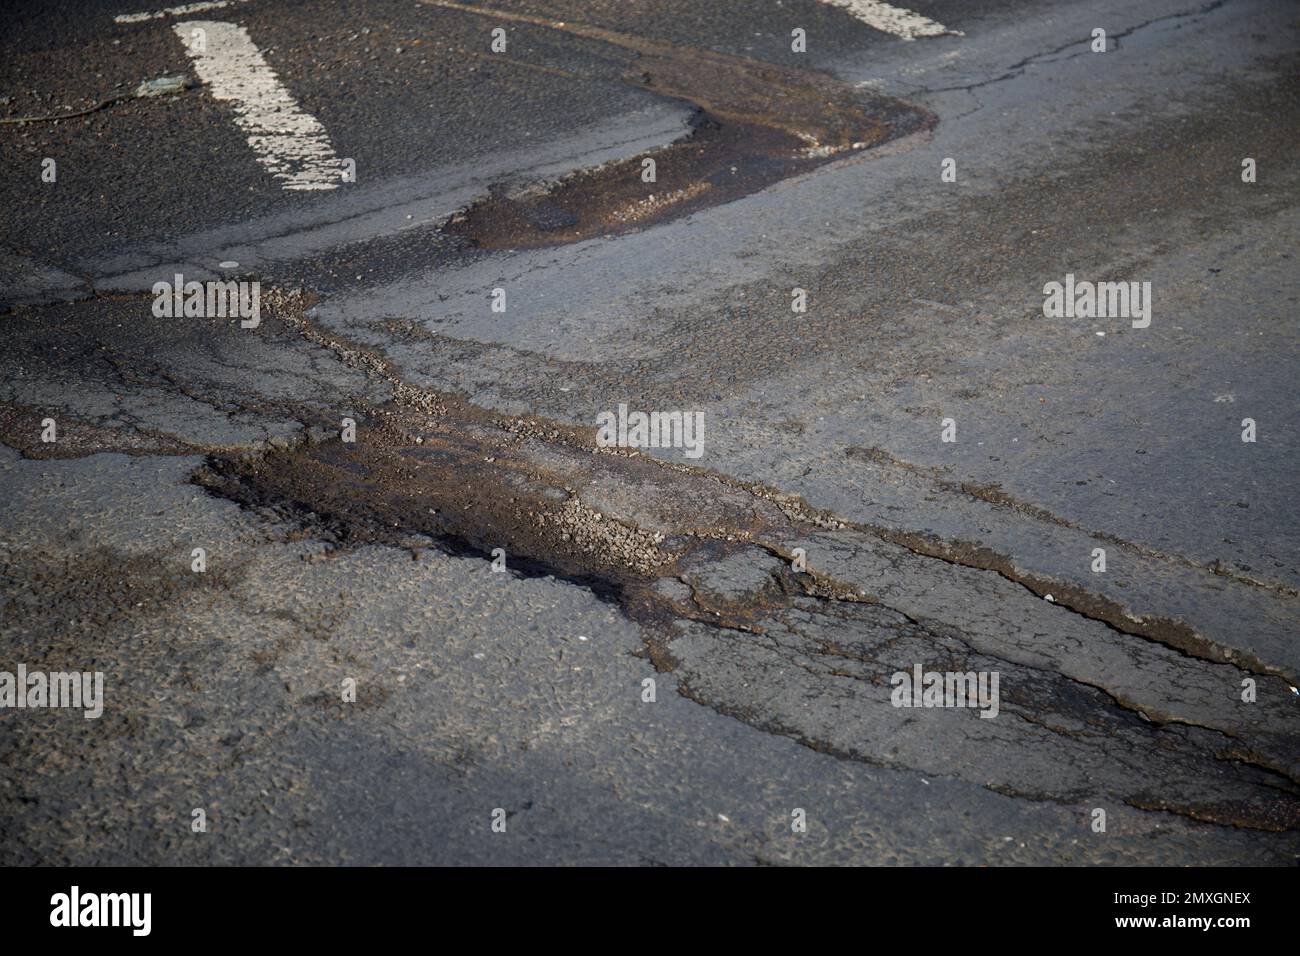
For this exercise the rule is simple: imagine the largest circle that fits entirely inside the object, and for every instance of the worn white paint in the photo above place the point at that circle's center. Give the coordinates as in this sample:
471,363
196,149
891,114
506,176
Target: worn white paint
183,10
291,144
891,19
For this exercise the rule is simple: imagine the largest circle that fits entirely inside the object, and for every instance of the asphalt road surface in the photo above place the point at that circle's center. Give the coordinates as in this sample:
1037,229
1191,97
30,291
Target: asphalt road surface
368,576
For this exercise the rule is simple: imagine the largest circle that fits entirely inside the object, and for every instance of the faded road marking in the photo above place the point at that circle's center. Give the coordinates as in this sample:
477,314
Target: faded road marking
891,19
183,10
291,144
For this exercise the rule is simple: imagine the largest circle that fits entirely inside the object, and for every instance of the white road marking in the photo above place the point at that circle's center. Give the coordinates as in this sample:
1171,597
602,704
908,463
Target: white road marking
891,19
181,11
292,145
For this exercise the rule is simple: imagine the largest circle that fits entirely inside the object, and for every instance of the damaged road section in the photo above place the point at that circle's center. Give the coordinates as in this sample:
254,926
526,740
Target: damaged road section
705,567
789,620
754,125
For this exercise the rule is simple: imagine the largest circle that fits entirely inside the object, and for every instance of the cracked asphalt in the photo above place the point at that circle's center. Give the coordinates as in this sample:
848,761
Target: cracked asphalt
630,655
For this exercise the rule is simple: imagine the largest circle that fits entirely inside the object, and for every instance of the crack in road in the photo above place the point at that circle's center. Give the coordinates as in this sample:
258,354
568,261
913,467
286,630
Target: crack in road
694,555
702,563
1019,67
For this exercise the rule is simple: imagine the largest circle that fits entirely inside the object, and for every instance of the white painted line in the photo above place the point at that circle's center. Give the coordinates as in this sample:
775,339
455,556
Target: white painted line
291,144
891,19
181,11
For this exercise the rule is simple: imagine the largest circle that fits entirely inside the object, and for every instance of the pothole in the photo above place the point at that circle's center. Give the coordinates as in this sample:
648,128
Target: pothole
754,124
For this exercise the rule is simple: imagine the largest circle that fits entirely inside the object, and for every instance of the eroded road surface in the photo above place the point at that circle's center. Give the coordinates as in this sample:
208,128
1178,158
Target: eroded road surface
367,579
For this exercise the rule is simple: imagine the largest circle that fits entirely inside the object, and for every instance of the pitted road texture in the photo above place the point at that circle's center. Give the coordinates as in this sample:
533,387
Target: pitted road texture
644,658
809,654
1090,713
